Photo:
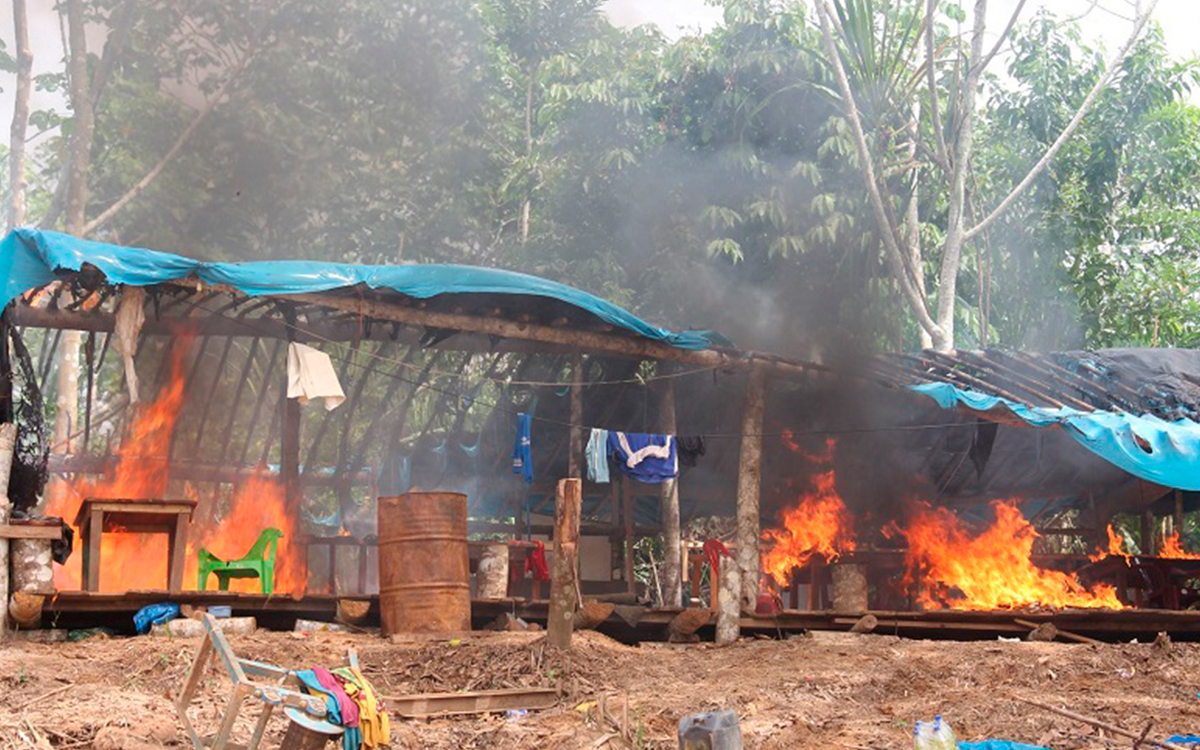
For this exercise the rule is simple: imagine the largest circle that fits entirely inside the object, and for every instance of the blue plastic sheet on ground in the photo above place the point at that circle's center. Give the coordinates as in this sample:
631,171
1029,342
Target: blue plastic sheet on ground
1185,739
997,745
1166,453
29,258
154,614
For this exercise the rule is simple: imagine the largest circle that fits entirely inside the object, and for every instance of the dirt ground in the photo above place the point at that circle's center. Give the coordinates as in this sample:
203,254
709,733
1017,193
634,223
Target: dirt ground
820,691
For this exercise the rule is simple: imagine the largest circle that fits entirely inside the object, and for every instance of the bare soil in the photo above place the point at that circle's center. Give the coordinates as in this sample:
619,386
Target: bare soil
824,691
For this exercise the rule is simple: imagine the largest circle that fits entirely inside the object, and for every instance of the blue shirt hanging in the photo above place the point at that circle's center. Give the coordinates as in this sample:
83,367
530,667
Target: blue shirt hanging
597,456
522,458
652,459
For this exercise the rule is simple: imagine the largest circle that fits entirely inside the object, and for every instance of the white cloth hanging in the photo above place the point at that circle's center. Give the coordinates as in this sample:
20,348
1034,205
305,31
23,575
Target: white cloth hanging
130,318
311,375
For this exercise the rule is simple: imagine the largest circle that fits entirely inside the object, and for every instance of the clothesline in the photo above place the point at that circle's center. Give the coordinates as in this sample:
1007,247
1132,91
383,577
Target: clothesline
568,424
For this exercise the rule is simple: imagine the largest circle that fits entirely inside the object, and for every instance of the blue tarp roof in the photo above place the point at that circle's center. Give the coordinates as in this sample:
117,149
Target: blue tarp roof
30,257
1148,447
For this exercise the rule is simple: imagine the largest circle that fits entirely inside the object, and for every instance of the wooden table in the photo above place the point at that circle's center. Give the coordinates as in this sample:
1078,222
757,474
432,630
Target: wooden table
170,517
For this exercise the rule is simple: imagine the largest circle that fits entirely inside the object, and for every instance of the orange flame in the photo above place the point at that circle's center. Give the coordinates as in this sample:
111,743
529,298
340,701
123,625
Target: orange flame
139,561
1116,547
818,525
993,570
131,561
1172,549
258,504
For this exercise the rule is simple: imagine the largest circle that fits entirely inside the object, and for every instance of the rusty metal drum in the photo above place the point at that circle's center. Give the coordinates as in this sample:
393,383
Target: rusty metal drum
424,568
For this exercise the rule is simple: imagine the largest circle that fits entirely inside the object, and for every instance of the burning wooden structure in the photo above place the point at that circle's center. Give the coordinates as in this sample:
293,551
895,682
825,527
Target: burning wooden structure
825,457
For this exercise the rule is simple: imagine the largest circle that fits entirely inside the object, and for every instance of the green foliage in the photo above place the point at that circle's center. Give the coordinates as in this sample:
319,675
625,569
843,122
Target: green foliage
707,181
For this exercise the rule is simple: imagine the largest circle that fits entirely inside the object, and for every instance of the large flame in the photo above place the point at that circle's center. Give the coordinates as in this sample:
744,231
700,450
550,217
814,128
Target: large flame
259,503
131,561
818,525
992,570
139,561
1172,549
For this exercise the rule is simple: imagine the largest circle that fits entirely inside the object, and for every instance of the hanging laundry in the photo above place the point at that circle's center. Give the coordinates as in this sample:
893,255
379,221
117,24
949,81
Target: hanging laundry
129,320
535,562
691,448
522,449
597,456
311,375
373,720
645,457
714,550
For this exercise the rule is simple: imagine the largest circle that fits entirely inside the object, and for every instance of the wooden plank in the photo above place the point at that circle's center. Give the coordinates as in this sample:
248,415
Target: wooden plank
485,701
14,531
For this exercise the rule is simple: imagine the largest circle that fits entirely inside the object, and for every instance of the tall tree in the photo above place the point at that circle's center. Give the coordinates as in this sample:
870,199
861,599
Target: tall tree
20,121
852,24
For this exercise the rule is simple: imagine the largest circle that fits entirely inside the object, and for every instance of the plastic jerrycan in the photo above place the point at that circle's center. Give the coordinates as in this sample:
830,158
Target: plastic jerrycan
716,730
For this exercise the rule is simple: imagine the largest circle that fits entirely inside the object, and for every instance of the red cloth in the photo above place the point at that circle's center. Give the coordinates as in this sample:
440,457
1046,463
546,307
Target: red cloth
714,550
535,562
347,706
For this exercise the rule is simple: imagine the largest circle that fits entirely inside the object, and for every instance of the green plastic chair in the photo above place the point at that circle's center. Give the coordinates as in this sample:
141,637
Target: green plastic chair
259,562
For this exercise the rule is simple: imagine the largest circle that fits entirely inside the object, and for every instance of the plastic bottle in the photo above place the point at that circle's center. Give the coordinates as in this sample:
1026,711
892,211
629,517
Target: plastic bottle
943,735
923,738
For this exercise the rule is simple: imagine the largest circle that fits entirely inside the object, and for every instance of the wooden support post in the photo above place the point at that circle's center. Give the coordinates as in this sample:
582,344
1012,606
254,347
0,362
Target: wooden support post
1178,516
815,584
749,480
1149,546
729,609
289,448
563,584
669,498
575,458
627,518
8,442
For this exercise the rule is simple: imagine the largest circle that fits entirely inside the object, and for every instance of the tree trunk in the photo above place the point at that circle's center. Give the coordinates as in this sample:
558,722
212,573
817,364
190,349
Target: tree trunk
8,442
575,441
16,155
749,481
912,219
669,499
564,585
956,221
729,610
79,155
79,159
527,203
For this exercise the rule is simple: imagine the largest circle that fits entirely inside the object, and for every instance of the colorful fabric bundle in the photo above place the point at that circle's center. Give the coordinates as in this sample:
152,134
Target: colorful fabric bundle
340,709
372,718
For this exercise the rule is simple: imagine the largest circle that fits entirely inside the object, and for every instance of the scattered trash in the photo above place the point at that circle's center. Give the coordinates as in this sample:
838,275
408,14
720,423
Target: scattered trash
82,634
585,707
998,745
220,612
515,714
715,730
316,626
154,614
1185,739
935,735
185,628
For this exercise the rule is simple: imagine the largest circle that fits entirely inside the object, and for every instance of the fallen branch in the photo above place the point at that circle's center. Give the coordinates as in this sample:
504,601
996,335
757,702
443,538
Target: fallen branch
1064,634
1099,724
42,697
